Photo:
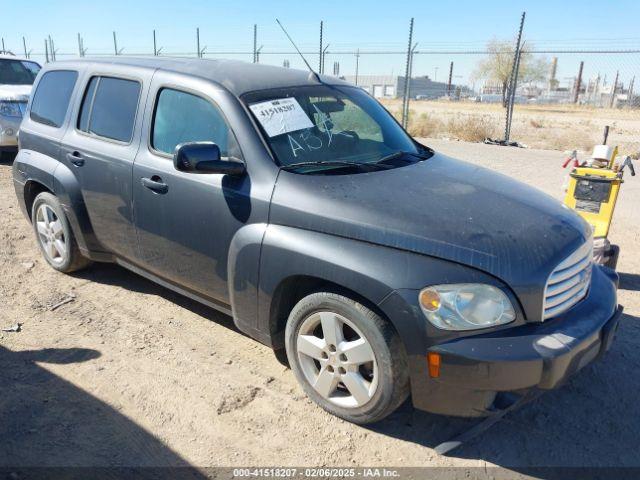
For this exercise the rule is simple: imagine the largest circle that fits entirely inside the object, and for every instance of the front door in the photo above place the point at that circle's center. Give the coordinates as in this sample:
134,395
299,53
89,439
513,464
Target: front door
186,221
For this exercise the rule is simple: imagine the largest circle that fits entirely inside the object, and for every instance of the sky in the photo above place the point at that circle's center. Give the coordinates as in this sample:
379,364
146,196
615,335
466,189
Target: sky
227,26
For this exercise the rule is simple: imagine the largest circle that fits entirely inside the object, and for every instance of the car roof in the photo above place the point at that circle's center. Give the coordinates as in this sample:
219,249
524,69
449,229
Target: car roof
8,56
237,76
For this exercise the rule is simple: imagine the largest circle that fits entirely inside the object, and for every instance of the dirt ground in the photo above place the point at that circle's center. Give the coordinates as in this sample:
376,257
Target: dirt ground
131,374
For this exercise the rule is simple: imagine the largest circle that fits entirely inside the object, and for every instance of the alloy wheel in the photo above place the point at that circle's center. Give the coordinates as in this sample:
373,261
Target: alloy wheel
337,360
51,234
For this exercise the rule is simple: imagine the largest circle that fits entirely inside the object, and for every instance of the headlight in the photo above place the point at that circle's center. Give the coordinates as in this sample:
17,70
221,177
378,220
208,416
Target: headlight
10,109
466,306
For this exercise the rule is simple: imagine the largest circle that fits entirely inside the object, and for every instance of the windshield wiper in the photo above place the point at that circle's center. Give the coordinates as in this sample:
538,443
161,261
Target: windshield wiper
400,153
331,163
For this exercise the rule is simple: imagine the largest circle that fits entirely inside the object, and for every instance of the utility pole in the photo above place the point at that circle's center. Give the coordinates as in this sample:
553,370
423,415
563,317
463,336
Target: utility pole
357,64
407,79
255,43
578,83
613,89
513,81
320,51
450,79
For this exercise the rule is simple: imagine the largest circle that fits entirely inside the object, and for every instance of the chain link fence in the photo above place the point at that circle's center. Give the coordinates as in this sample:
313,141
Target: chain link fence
565,94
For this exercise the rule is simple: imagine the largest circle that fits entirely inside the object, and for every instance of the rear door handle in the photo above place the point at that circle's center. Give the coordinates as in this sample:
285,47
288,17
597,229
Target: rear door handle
155,183
76,158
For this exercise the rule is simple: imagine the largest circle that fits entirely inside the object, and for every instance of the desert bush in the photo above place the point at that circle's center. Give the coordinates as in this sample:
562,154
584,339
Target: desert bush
424,125
471,128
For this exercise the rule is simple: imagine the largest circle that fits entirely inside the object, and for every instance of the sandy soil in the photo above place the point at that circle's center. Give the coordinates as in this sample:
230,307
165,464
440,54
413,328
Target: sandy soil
129,373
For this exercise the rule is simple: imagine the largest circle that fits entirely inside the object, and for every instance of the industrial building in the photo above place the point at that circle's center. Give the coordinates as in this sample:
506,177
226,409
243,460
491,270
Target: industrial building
392,86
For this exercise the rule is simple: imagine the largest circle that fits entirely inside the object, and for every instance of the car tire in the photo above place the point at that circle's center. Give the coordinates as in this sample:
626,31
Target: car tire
348,359
54,236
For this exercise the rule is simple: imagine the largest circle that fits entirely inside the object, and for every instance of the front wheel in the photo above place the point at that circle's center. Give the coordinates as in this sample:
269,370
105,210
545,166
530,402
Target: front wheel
347,358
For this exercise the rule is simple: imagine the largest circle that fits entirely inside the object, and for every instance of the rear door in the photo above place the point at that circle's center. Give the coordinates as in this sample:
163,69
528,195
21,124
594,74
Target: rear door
100,147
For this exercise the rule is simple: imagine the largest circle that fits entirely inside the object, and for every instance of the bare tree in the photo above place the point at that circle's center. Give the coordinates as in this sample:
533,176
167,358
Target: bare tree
496,66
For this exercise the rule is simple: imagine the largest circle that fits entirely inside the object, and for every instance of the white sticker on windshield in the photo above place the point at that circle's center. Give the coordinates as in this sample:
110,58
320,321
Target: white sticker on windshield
282,115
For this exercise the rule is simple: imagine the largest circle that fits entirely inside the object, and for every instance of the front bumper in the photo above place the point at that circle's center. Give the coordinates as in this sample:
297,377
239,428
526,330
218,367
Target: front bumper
540,356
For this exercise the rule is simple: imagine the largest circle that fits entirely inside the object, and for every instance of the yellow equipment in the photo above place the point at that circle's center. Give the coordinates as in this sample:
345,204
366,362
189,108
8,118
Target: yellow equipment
593,191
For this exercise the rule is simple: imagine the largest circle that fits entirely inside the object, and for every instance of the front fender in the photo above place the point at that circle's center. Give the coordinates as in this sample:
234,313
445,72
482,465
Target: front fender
371,271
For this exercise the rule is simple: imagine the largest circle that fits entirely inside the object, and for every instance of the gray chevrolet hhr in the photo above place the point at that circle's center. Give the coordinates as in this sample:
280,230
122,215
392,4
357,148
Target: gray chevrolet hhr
298,205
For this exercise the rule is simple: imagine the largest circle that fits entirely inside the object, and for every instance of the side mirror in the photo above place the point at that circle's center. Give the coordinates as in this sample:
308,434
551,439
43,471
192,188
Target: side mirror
204,157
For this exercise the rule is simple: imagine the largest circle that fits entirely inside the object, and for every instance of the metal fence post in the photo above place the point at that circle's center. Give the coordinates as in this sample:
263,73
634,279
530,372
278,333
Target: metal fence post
407,80
511,91
357,64
255,43
578,83
450,79
324,55
320,51
46,50
613,89
115,43
24,44
155,45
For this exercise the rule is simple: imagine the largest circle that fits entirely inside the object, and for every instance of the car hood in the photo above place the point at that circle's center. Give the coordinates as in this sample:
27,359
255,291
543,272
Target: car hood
15,92
444,208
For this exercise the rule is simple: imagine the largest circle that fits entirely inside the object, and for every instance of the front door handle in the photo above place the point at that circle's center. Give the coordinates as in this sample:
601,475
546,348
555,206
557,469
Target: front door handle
155,183
76,158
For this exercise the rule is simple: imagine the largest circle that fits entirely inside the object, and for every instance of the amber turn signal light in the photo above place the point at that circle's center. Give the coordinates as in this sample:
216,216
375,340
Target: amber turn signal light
433,361
430,300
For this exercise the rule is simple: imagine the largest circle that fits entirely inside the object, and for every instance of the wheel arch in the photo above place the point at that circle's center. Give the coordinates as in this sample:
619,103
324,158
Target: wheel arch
296,287
33,188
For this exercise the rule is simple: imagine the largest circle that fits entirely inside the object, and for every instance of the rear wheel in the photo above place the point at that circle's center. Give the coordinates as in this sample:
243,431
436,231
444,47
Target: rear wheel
54,236
347,358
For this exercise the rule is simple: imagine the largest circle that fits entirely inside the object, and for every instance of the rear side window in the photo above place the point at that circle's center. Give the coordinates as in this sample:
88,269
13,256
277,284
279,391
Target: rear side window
182,117
109,108
51,99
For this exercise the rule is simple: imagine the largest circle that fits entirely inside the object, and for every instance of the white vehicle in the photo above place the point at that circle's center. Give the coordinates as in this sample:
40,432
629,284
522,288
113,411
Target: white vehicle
16,79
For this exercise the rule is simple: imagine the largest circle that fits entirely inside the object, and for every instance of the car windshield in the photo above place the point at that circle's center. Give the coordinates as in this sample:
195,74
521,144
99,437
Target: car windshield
18,72
323,127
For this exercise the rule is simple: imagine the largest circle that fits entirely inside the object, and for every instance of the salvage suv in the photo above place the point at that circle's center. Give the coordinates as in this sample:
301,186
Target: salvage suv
297,204
16,77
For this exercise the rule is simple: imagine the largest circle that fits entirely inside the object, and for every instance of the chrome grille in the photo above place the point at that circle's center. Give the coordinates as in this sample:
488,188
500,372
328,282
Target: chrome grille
569,282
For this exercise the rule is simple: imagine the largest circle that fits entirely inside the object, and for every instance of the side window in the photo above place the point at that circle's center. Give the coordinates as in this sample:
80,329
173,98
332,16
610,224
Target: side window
51,99
109,108
182,117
